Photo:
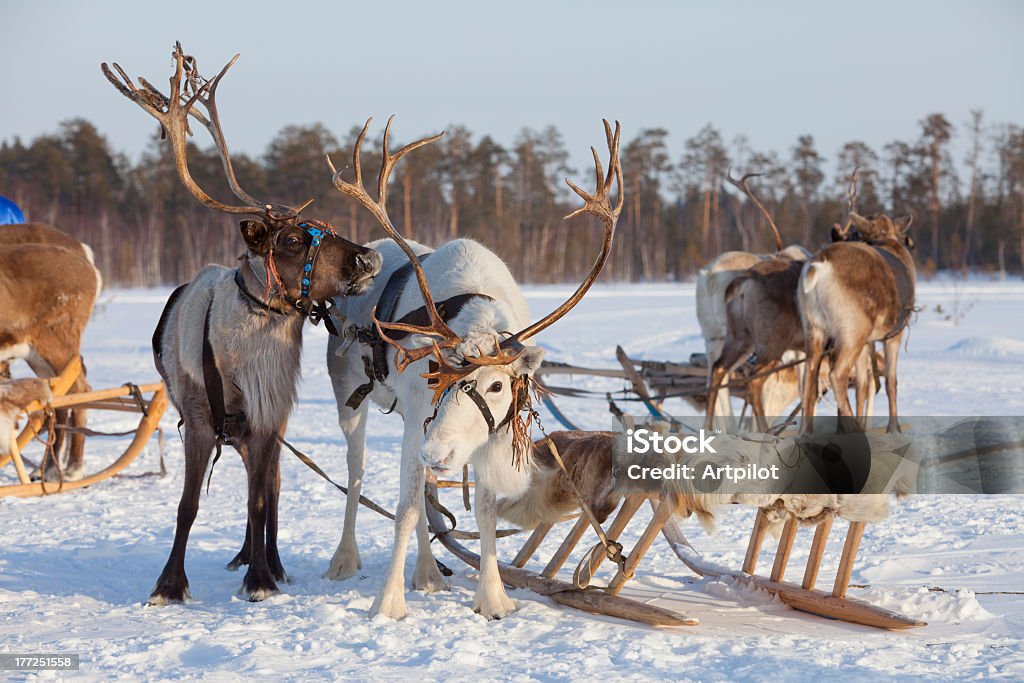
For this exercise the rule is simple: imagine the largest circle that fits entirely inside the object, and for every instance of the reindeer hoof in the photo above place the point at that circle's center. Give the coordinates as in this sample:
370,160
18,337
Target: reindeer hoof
168,595
239,560
259,585
343,566
392,607
261,594
494,608
428,578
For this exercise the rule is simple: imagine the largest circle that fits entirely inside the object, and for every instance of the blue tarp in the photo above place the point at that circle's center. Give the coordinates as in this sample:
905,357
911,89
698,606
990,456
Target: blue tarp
10,214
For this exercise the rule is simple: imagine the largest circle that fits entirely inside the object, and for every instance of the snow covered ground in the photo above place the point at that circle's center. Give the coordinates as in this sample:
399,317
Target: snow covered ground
75,569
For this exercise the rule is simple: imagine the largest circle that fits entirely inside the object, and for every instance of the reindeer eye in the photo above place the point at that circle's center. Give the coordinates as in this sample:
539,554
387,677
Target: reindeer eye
494,388
291,241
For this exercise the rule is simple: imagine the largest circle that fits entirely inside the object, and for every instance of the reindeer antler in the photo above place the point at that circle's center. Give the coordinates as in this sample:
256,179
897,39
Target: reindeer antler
744,187
851,202
598,205
444,374
437,328
188,89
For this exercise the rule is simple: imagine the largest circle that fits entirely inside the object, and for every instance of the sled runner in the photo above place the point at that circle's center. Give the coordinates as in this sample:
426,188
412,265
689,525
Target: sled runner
607,599
39,412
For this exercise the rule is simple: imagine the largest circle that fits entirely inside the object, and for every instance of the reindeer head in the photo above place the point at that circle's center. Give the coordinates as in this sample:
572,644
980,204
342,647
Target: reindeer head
878,227
302,260
481,381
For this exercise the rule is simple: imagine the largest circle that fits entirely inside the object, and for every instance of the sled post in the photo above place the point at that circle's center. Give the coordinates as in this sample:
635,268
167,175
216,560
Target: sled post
531,545
562,554
630,504
853,537
19,464
821,533
661,515
785,548
756,539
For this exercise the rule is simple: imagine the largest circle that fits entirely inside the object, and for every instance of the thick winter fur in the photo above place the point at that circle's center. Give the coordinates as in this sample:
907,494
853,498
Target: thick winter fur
47,294
456,434
14,397
712,282
848,297
257,353
550,498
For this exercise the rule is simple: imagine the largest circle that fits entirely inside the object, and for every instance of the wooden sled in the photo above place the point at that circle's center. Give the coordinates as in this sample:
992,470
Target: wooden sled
608,601
594,600
127,398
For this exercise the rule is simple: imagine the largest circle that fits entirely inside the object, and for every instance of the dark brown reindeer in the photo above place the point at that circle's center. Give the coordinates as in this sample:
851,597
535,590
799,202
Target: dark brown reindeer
228,343
48,285
853,293
761,318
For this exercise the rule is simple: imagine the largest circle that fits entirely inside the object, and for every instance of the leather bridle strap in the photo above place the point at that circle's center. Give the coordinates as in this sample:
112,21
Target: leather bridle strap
468,387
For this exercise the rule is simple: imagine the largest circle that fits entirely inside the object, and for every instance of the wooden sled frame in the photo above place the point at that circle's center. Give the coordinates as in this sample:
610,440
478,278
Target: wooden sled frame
119,398
608,601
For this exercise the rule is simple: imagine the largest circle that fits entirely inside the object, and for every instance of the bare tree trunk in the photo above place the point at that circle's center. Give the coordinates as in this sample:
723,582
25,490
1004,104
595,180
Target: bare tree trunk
972,201
933,204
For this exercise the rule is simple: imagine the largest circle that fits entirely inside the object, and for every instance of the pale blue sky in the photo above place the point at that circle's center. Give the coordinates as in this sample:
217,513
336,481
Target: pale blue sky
771,70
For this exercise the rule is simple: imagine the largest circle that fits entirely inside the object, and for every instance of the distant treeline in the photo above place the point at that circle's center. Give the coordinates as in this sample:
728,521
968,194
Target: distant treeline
146,229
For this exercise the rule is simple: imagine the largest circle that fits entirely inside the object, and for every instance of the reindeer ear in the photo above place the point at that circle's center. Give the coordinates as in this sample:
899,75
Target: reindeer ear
530,360
903,224
256,236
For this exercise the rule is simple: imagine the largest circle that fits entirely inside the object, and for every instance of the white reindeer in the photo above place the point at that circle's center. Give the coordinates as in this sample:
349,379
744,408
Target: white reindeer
466,389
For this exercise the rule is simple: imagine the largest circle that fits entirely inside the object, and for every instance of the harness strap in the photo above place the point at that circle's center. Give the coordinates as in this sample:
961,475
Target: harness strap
904,289
468,387
214,384
376,369
612,548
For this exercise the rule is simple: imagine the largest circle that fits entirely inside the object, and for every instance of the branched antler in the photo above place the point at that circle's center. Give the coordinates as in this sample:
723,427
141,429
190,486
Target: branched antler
188,89
851,203
744,187
443,374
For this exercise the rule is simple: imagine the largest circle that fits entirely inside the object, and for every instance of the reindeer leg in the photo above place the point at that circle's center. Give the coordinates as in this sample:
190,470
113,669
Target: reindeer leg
427,575
490,601
260,460
75,468
843,360
346,561
172,586
862,371
242,557
390,601
892,351
273,497
815,353
755,394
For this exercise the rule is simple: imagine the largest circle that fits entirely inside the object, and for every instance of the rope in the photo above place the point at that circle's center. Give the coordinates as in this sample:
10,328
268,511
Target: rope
612,549
366,502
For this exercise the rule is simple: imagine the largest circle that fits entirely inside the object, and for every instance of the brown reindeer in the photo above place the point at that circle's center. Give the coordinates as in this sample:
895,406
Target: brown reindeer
713,281
228,344
762,319
47,290
853,293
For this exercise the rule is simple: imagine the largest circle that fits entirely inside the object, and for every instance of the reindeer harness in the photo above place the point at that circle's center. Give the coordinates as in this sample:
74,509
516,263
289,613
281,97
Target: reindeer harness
904,288
376,367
